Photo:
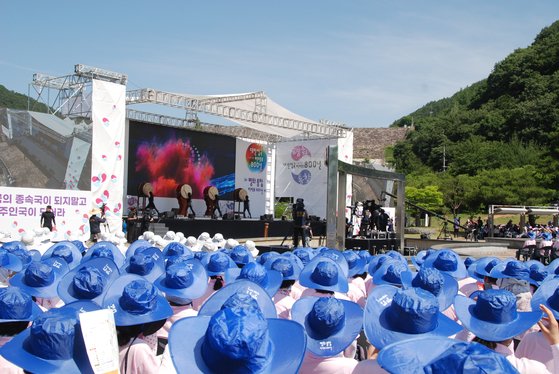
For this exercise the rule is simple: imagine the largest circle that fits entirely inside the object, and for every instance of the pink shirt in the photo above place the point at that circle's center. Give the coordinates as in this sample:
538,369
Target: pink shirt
369,285
327,365
6,367
297,290
179,312
368,367
283,302
360,283
524,365
356,295
140,360
469,285
534,346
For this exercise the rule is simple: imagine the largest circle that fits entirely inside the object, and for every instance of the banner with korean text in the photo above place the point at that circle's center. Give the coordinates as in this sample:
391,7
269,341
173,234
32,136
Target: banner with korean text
251,164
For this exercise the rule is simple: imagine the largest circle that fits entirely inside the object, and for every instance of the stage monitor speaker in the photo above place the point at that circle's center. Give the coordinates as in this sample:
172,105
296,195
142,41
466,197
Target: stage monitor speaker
392,235
170,214
267,217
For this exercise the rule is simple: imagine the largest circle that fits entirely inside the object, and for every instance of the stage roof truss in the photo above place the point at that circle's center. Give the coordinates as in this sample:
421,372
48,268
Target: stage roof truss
248,114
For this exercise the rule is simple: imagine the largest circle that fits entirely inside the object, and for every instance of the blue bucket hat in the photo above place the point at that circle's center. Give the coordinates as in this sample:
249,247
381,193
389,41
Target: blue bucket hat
482,268
89,281
66,250
420,257
105,249
437,354
396,256
393,314
79,245
13,245
553,267
304,254
441,285
150,264
140,243
17,305
186,280
241,255
356,264
264,257
323,273
241,287
468,261
177,249
338,257
237,339
493,316
531,235
26,256
390,272
53,344
376,262
548,295
537,275
136,301
448,261
331,324
510,269
288,268
217,263
547,236
40,279
296,261
10,261
172,260
270,280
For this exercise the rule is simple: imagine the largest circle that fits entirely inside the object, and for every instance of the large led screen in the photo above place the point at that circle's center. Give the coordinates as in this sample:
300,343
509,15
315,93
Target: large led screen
167,157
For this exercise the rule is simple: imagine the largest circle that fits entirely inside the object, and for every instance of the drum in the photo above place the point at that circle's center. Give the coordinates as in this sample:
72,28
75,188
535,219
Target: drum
144,189
183,190
240,194
210,192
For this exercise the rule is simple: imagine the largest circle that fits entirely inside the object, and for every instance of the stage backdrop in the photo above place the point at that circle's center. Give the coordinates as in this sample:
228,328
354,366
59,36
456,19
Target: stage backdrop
302,173
167,157
252,162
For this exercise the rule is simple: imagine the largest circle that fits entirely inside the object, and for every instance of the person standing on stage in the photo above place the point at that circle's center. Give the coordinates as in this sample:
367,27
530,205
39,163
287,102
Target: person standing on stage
189,204
151,204
246,208
300,223
48,219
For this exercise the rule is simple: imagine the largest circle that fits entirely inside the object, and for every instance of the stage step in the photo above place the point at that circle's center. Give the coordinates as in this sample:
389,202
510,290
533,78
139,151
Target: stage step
158,228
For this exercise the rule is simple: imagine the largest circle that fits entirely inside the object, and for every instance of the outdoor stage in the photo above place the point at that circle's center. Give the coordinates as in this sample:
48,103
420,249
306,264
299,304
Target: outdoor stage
239,228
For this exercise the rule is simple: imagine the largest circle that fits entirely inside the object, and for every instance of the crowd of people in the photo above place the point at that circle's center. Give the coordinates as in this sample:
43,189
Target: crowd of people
209,304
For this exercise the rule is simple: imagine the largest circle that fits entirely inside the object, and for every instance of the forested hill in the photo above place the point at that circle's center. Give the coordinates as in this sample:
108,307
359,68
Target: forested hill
15,100
498,139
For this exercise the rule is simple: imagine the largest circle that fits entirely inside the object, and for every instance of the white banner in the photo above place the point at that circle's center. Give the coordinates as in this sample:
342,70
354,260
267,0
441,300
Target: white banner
21,208
251,162
108,112
301,172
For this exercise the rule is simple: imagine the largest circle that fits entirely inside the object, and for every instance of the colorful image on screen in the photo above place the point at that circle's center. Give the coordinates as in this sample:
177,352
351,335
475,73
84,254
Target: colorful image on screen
167,157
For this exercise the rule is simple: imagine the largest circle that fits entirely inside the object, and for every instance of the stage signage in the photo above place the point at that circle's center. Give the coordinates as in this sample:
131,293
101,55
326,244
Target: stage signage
251,162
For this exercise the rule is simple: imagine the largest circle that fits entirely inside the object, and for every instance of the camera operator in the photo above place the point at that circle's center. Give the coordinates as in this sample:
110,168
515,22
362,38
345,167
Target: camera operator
300,223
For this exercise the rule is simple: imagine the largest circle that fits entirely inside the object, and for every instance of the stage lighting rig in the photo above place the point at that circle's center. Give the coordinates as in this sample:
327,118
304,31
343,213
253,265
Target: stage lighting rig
101,74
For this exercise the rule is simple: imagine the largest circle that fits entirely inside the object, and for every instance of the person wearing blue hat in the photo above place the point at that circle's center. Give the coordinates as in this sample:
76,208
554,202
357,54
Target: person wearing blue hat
468,261
264,257
176,249
441,285
65,250
493,317
40,279
137,244
420,257
181,283
17,309
394,314
89,281
356,281
448,261
241,255
105,249
324,277
305,254
375,262
338,257
53,344
268,279
536,345
436,354
391,272
150,264
215,264
241,287
9,265
331,326
140,310
290,273
237,339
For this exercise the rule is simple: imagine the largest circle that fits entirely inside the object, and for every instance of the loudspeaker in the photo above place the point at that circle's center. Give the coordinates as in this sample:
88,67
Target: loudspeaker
267,217
170,214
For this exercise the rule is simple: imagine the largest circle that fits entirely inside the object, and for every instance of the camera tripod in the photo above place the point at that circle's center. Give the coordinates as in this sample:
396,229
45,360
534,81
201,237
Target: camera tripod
444,232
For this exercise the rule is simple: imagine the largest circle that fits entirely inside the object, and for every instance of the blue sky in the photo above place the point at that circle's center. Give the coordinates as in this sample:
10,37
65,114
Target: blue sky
362,63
